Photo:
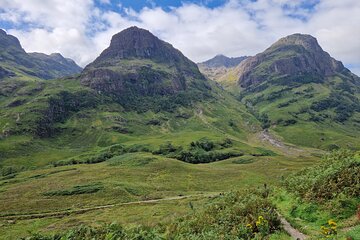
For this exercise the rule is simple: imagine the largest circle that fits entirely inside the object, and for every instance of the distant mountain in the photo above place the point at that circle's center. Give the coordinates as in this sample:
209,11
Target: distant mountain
300,91
56,62
16,63
138,66
218,66
222,61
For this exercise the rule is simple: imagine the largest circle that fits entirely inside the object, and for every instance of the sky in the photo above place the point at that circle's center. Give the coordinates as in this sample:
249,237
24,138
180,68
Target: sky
81,29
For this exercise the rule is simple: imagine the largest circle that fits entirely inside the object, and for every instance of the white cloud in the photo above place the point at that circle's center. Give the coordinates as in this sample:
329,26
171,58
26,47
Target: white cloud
80,30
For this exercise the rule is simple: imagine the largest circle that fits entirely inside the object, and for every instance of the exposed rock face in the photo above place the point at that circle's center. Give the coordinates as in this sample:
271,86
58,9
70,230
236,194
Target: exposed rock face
39,65
296,55
219,66
137,63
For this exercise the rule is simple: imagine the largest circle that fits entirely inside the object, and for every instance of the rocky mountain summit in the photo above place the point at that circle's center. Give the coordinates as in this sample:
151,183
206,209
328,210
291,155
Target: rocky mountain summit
138,64
16,63
295,56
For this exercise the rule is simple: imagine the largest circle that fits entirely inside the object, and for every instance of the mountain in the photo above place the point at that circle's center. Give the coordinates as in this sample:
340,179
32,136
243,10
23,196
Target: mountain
56,62
137,66
219,66
222,61
16,63
301,92
140,91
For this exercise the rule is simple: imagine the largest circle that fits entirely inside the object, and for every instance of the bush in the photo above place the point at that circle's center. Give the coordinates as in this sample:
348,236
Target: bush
236,215
204,144
337,174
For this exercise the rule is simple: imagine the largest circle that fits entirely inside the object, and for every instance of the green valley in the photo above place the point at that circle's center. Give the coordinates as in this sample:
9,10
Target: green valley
141,145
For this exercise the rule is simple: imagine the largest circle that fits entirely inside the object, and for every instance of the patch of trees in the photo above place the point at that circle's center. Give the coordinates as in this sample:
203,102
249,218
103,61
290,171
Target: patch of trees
60,107
201,151
343,105
102,156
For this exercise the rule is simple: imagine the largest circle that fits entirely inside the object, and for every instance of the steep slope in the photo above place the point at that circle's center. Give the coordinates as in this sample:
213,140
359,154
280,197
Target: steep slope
219,66
137,66
139,91
56,62
301,92
16,63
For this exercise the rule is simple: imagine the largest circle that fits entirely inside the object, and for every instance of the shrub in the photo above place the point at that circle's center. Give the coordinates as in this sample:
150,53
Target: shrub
337,174
81,189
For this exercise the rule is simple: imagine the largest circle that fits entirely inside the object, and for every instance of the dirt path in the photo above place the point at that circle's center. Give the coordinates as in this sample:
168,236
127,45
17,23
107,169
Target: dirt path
294,233
84,210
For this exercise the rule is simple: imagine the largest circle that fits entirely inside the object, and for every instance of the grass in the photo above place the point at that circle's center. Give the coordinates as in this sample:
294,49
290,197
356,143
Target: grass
131,177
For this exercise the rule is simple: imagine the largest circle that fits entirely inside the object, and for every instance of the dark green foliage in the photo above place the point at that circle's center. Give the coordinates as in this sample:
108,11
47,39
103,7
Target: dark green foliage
296,81
104,155
167,148
343,105
166,103
289,122
81,189
61,106
285,104
236,215
201,151
337,174
201,156
154,122
265,121
263,152
108,232
204,144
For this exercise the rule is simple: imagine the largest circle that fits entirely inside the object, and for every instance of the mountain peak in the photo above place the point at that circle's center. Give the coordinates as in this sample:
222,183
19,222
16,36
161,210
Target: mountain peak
136,42
296,56
139,65
7,40
309,42
221,60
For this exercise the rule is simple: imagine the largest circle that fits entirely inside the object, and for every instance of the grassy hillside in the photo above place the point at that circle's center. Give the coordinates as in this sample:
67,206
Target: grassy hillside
43,122
297,90
323,201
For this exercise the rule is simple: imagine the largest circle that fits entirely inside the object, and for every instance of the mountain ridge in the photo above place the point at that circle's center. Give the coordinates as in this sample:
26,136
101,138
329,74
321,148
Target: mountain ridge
16,63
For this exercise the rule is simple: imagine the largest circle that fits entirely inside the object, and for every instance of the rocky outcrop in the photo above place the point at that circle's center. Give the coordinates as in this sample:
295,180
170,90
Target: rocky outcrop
297,55
138,64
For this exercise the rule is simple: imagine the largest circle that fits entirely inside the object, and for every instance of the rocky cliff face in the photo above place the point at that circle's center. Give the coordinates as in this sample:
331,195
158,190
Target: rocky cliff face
297,55
15,62
138,64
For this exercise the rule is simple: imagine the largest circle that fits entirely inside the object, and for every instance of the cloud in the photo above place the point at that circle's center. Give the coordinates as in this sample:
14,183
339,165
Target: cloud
81,29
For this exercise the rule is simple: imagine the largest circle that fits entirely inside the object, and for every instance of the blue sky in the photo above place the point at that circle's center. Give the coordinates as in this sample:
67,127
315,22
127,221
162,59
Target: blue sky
81,29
